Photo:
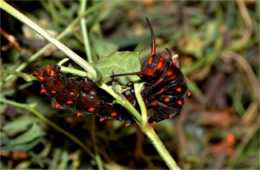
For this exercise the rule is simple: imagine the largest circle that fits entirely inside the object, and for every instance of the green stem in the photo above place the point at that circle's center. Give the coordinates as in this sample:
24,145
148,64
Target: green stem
163,152
68,30
84,30
138,88
149,131
73,71
50,123
77,59
124,102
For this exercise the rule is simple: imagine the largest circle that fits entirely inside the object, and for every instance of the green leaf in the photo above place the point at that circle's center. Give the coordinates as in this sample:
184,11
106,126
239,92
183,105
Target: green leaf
33,133
117,63
7,144
103,47
21,147
18,125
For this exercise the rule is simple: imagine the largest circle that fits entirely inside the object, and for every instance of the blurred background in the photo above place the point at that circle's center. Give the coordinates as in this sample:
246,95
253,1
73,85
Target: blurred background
218,46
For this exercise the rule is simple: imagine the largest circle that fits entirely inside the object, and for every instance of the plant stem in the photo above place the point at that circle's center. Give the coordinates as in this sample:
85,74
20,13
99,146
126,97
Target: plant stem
69,29
149,131
138,88
163,152
77,59
50,123
124,102
84,30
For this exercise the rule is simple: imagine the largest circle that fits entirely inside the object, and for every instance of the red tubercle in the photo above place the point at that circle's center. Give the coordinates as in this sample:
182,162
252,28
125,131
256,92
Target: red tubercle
101,119
57,106
39,77
91,109
113,114
79,114
52,73
43,91
48,68
188,93
150,60
179,89
160,64
166,100
180,102
53,92
171,115
69,102
170,73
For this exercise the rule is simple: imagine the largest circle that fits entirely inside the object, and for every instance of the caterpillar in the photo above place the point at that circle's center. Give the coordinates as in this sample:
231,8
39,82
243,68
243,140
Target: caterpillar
165,86
164,90
83,95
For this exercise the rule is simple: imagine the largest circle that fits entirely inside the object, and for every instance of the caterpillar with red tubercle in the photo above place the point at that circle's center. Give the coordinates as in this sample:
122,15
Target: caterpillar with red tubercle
164,90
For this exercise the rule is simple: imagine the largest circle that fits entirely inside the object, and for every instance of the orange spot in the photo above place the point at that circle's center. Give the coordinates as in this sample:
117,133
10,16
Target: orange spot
69,102
101,119
43,91
187,80
113,114
48,68
52,73
57,106
170,73
53,91
180,102
179,89
188,93
91,109
171,115
160,64
166,100
175,63
41,78
150,61
79,114
127,124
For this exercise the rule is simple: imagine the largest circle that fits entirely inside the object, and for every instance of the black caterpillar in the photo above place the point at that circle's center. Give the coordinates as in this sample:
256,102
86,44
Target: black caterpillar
164,91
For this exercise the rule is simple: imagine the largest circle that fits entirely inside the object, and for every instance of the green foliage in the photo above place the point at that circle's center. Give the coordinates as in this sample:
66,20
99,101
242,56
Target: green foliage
217,43
21,134
117,63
